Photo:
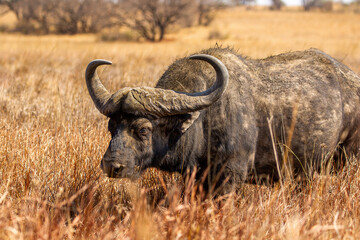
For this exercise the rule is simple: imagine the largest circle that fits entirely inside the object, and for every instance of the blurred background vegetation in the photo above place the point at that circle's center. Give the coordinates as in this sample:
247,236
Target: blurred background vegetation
133,20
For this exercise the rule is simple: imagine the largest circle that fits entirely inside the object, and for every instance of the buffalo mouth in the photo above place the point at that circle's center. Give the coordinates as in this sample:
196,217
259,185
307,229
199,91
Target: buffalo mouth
121,171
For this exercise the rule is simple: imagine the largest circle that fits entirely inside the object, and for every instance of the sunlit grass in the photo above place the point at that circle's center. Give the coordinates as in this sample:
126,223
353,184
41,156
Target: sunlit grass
52,139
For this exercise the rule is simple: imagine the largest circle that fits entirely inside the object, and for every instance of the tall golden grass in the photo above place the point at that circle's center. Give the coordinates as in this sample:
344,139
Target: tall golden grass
52,139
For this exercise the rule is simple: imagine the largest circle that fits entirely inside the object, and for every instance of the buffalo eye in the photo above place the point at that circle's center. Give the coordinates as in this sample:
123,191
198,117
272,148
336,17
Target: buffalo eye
144,132
141,128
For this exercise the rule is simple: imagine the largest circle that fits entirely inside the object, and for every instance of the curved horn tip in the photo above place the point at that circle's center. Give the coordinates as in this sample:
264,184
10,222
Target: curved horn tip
222,76
98,62
91,67
202,57
215,62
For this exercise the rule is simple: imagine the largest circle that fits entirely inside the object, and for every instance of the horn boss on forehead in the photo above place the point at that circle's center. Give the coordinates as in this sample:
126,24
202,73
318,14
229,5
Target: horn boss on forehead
155,102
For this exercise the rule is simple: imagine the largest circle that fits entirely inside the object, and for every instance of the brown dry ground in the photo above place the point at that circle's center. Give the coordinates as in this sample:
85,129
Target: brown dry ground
52,139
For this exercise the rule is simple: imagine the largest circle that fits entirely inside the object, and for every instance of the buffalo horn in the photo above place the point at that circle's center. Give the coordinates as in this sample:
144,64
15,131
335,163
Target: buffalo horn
155,102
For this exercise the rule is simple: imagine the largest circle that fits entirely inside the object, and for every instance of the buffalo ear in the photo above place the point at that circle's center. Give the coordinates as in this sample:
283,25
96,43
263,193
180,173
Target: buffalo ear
189,121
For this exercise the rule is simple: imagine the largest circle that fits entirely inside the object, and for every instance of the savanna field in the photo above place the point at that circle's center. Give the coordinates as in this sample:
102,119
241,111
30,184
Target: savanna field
52,139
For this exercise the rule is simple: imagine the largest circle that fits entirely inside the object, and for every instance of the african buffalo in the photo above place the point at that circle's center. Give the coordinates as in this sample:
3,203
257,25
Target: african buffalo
304,105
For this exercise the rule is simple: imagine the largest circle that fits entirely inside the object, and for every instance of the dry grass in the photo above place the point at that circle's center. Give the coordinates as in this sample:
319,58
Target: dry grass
52,139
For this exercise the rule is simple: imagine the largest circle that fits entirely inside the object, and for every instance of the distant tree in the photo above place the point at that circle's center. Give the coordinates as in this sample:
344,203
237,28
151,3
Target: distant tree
152,18
10,4
276,4
31,15
59,16
3,8
308,4
242,2
81,16
201,12
206,11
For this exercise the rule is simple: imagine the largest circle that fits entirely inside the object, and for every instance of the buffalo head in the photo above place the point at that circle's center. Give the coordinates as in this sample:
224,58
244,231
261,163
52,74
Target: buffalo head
144,121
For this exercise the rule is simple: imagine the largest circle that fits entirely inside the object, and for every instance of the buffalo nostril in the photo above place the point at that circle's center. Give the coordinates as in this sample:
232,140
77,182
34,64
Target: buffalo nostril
118,169
115,171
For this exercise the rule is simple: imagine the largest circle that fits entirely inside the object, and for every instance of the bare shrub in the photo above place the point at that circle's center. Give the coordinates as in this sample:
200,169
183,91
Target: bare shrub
205,10
32,16
276,4
151,19
87,16
60,16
